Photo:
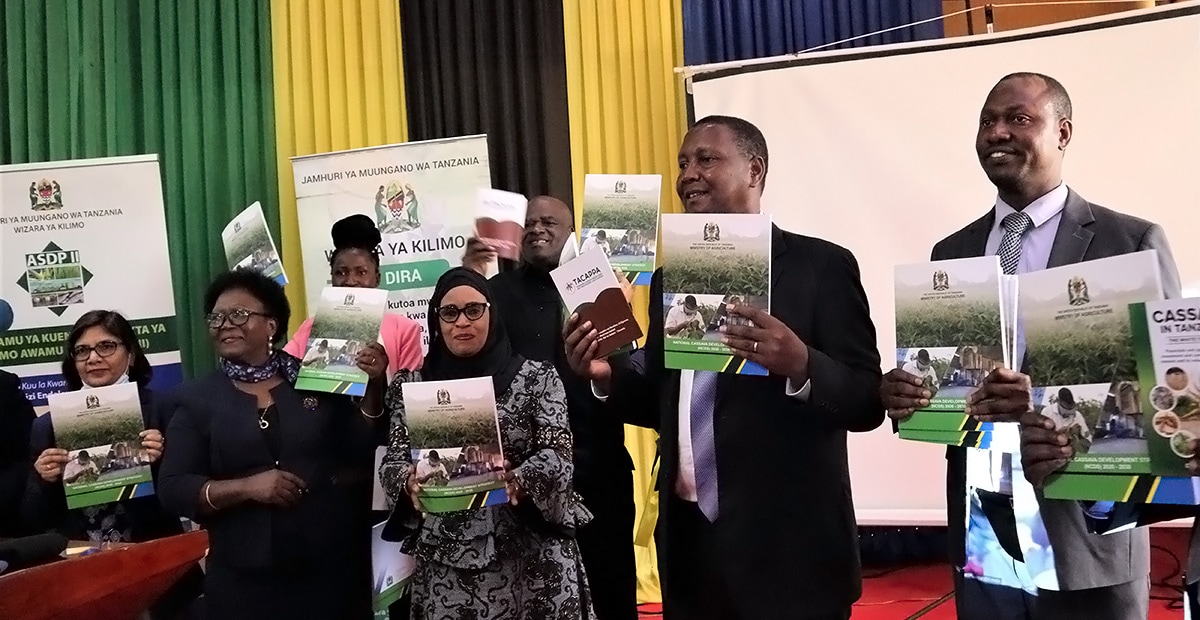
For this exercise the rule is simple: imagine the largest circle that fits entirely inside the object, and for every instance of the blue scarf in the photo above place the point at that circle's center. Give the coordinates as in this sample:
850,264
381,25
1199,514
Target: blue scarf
279,363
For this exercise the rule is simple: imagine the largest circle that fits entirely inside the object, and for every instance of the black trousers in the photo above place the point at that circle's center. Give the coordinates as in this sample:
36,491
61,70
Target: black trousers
606,543
695,586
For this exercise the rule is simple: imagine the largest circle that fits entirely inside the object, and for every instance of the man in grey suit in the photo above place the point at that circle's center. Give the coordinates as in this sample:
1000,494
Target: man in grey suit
1036,223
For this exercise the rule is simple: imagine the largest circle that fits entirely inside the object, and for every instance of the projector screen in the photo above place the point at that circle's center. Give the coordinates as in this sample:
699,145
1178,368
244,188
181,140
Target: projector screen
874,150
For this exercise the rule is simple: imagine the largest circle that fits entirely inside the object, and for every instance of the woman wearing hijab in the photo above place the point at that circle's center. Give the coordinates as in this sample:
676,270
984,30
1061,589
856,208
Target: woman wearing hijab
514,561
280,479
102,350
355,263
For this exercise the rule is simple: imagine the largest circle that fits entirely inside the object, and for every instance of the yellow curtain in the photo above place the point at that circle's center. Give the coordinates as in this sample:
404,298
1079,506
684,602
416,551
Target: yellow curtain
627,115
338,85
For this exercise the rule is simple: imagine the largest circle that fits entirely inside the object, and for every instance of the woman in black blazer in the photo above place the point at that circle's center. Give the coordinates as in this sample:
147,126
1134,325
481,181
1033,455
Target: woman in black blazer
280,479
103,350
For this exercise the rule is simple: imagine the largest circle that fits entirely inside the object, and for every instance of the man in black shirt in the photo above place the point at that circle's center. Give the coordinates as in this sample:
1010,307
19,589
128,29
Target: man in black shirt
16,419
531,310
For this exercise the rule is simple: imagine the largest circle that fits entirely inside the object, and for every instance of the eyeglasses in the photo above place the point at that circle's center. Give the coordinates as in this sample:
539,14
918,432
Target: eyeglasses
104,349
473,310
216,320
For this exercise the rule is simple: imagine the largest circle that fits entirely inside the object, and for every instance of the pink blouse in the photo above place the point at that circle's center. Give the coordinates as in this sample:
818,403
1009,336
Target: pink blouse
400,335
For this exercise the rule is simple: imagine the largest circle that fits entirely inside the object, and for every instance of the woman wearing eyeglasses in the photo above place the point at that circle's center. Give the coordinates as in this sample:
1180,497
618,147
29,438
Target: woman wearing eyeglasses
281,479
102,350
517,561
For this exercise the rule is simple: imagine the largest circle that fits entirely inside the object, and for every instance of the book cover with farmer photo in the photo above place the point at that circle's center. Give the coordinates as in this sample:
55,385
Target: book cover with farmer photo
100,429
951,333
249,245
620,216
454,436
710,261
1079,355
346,321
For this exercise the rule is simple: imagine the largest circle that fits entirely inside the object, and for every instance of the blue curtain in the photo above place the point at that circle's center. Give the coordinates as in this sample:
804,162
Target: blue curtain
723,30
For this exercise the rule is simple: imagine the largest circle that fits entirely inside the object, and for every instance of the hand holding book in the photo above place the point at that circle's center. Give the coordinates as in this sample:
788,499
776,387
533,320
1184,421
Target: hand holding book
1005,396
152,442
1044,450
512,484
582,348
478,256
50,463
766,341
373,360
903,393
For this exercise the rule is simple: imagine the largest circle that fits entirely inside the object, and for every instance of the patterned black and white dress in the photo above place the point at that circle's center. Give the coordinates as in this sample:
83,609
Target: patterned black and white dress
501,562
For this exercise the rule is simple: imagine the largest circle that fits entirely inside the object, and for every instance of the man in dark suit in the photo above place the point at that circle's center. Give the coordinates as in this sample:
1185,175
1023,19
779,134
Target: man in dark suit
1036,223
16,418
756,518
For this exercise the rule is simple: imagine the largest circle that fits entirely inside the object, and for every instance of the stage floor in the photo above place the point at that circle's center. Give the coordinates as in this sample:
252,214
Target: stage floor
926,591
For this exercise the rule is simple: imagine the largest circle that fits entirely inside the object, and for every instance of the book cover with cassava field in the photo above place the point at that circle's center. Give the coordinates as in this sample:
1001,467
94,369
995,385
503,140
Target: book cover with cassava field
100,430
951,332
710,261
249,245
346,321
589,288
1079,355
620,216
454,436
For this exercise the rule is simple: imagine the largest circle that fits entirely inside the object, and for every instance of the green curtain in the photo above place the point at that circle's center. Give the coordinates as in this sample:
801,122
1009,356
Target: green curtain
189,80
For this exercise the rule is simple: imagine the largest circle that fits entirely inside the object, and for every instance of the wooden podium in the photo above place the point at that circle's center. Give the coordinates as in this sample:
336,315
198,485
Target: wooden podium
117,584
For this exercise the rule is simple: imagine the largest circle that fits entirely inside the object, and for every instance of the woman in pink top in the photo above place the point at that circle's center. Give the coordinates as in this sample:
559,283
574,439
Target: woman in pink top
355,263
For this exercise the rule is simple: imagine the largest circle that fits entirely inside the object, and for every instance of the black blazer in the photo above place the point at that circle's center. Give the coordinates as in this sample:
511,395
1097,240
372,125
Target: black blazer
1085,232
16,419
215,435
786,530
45,505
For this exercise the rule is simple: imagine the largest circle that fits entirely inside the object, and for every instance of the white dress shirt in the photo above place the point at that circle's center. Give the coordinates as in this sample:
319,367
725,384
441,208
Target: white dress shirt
685,480
1036,243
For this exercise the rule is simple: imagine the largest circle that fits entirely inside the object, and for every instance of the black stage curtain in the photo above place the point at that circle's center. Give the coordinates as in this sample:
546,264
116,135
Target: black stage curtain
494,67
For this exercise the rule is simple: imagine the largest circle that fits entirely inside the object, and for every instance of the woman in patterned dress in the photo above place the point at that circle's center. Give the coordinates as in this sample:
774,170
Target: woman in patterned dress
516,561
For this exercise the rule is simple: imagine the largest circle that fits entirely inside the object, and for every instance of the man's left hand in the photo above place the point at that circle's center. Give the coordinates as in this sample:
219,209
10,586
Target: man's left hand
1005,396
768,343
1044,449
373,360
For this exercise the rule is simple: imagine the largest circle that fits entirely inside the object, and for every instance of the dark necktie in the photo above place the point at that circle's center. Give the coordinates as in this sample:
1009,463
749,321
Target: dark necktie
704,453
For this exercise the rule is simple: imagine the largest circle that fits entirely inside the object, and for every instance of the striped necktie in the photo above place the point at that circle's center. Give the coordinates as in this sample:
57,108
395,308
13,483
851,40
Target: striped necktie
704,453
1015,225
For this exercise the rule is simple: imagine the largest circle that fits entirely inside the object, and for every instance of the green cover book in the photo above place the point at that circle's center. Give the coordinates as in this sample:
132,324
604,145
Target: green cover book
620,216
346,321
951,331
1079,355
1166,340
249,245
709,261
454,436
99,428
